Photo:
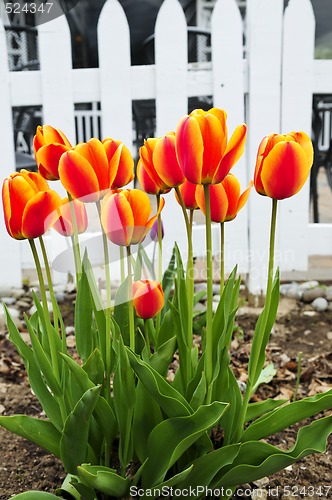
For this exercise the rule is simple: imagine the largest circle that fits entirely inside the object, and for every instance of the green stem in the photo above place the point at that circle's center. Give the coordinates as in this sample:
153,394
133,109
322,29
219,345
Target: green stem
130,302
49,282
108,347
254,355
75,242
222,257
48,326
209,310
160,257
122,265
190,278
149,334
160,243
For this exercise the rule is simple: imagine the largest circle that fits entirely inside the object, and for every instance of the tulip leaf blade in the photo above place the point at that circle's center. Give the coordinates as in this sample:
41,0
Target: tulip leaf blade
287,415
174,436
74,441
103,479
41,432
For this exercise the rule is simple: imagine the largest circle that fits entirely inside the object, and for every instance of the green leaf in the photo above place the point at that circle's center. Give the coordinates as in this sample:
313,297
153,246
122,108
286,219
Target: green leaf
104,480
169,399
94,367
74,441
43,362
285,416
103,412
124,372
256,410
206,466
37,382
161,359
41,432
83,317
199,393
265,376
168,281
38,495
67,489
260,338
121,310
147,415
257,459
174,436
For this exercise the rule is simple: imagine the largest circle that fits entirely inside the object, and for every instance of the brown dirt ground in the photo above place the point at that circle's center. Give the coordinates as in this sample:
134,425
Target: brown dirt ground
24,466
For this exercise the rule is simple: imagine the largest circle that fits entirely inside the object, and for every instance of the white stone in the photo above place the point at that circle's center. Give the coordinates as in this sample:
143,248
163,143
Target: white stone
307,285
329,335
320,304
9,301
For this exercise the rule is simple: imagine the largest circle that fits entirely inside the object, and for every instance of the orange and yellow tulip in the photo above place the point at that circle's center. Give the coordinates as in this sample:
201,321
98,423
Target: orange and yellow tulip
151,185
65,225
160,160
188,192
148,298
91,168
283,164
203,150
125,216
29,205
49,144
226,199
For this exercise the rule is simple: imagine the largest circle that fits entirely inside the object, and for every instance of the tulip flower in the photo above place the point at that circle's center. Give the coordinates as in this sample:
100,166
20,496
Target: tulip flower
160,160
148,298
125,216
49,144
91,168
283,164
203,150
151,185
187,191
30,206
65,225
225,198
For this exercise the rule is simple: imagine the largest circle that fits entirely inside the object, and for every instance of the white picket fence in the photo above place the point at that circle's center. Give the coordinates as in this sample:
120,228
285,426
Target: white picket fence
268,84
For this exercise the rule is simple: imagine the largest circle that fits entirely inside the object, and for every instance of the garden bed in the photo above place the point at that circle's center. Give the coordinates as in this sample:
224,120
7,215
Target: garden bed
298,328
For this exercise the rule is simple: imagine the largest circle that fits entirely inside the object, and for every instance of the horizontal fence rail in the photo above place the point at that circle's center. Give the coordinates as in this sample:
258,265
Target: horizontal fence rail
271,89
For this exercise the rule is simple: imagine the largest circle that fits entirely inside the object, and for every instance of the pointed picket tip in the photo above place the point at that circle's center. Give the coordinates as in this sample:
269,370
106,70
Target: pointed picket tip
226,8
304,7
113,28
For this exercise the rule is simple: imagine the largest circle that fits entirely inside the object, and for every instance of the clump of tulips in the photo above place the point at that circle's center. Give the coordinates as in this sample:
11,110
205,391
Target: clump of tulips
123,425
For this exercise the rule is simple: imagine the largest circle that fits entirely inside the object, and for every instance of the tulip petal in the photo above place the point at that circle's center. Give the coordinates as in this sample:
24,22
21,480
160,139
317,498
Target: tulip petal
285,170
305,142
188,191
166,163
218,202
189,147
47,158
78,177
117,219
241,202
148,299
40,213
17,191
121,163
233,152
232,188
94,152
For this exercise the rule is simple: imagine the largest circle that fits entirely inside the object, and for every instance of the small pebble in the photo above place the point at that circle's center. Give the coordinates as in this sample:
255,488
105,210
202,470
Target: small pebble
307,285
329,335
320,304
9,301
314,293
294,292
309,313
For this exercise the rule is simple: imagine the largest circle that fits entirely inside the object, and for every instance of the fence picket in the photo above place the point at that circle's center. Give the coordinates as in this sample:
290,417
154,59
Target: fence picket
56,75
10,268
114,64
296,102
171,66
264,30
228,91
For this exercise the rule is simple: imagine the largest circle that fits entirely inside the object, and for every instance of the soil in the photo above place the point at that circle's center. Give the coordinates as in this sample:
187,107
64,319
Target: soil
24,466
